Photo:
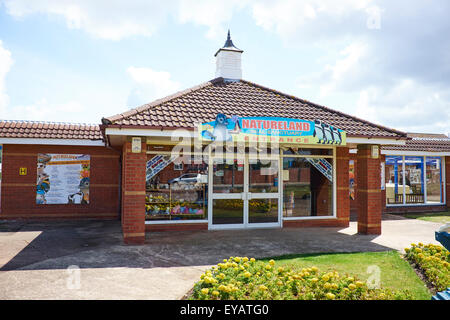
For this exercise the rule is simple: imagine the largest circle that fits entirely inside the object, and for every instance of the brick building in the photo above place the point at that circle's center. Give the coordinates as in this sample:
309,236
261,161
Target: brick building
225,154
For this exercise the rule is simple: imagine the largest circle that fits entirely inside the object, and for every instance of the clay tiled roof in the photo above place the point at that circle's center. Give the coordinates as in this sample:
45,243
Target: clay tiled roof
423,142
48,130
241,98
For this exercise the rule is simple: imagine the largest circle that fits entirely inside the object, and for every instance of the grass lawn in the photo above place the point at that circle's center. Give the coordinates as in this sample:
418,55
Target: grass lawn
440,217
395,273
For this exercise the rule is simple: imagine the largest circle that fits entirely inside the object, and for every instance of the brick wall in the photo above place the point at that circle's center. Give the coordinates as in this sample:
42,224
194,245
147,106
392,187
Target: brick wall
18,192
368,191
411,209
133,193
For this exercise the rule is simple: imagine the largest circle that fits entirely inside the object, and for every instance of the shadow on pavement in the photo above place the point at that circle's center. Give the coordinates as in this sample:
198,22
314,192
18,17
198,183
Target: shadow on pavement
98,244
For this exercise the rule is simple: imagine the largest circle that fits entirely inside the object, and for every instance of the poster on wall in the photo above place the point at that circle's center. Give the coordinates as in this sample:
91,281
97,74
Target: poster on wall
383,172
415,176
62,178
351,178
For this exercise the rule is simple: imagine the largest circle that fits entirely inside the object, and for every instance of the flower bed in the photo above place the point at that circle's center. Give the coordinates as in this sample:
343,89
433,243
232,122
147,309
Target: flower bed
434,261
242,278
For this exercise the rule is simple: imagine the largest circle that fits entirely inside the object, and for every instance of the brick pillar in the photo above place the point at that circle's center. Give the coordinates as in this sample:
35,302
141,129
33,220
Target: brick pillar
133,193
447,182
342,186
368,191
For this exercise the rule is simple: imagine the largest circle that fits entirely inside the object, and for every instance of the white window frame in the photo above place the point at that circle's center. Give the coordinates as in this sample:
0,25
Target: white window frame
334,193
443,179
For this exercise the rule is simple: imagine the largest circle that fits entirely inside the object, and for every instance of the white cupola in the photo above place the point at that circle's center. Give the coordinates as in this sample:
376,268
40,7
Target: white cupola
228,61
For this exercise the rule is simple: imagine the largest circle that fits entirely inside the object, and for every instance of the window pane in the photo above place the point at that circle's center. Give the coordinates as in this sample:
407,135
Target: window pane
228,176
176,188
263,176
414,185
263,210
393,176
308,190
228,211
434,180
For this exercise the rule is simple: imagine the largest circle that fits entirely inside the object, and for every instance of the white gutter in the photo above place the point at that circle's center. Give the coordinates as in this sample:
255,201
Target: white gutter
59,142
149,132
414,153
376,141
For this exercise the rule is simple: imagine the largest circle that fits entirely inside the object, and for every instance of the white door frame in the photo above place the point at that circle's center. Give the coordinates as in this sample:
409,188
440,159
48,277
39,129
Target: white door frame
245,196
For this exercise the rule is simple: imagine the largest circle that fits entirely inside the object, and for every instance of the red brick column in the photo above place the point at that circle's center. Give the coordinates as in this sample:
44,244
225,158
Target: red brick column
133,194
368,191
447,182
342,185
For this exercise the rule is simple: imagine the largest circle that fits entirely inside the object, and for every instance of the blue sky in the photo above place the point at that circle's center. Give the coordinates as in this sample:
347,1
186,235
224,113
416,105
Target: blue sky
77,61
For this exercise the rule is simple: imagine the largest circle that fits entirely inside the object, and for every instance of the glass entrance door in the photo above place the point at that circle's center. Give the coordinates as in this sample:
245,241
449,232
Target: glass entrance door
263,192
228,187
244,193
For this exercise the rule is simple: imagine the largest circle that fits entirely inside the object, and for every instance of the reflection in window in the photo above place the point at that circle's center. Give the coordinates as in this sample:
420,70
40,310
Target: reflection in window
263,210
176,188
414,185
228,211
228,176
307,189
263,176
434,180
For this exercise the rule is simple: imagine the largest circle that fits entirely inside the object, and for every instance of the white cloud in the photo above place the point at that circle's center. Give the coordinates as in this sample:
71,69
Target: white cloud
149,85
43,110
115,20
6,62
292,19
212,14
408,106
349,69
105,19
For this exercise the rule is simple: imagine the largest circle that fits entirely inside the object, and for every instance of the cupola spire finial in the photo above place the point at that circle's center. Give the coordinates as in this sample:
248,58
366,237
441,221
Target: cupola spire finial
228,60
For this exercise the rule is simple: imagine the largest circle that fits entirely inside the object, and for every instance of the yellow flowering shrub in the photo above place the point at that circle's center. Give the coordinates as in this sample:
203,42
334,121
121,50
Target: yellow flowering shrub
258,280
434,260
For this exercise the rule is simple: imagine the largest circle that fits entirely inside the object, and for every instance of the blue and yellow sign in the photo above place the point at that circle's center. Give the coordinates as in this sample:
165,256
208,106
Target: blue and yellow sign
270,129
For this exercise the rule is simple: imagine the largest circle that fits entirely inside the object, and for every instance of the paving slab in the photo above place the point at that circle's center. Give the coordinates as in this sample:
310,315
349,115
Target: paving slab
88,260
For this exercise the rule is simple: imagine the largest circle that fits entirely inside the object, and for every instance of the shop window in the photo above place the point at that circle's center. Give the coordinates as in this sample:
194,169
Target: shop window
434,181
393,176
176,188
413,180
307,187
